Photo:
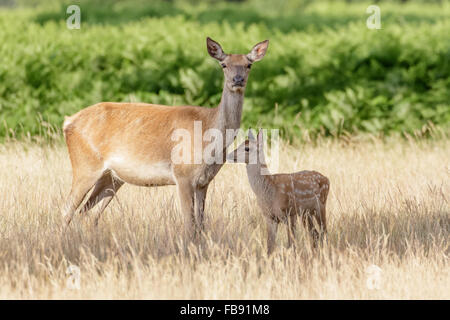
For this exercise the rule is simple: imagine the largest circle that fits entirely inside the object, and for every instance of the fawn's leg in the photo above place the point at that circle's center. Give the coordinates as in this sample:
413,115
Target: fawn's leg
272,227
291,230
308,222
322,222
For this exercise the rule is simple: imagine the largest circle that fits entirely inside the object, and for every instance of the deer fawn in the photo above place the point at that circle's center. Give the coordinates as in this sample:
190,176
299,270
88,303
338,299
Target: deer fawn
284,196
112,143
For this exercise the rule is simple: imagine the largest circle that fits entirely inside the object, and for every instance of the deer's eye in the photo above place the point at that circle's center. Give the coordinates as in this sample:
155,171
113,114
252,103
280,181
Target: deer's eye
249,66
223,65
247,149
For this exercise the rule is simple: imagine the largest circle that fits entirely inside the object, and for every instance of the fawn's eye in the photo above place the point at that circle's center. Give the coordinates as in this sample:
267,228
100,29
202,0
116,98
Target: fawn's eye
223,65
249,66
247,149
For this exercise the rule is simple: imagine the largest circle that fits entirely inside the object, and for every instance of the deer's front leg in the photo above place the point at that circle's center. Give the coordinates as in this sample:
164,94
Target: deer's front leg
186,197
200,197
272,227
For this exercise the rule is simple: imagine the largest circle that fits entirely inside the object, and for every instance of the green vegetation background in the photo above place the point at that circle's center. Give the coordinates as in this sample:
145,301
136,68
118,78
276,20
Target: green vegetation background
325,71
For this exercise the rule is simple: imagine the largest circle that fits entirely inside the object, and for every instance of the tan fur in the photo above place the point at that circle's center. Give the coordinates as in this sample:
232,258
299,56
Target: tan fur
112,143
283,197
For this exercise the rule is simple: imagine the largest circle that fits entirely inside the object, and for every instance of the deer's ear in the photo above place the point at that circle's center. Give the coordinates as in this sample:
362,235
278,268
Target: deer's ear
250,135
260,137
215,50
258,51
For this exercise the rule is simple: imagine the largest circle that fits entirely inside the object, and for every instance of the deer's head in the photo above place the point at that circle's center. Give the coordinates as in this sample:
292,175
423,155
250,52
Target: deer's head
251,151
236,67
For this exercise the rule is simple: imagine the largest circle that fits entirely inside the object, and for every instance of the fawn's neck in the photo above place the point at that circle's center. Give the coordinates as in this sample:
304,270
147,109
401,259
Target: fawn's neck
259,178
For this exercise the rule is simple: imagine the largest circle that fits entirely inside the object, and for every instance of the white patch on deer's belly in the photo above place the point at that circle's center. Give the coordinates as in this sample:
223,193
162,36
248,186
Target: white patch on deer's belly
140,173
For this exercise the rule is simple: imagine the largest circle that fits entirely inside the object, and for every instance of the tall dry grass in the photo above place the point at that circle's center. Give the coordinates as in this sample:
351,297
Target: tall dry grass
388,206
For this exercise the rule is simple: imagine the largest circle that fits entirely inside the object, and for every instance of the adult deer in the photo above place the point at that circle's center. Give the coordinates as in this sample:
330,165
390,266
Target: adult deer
113,143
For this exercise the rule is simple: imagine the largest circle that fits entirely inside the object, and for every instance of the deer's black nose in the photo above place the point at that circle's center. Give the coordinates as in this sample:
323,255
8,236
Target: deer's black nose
238,80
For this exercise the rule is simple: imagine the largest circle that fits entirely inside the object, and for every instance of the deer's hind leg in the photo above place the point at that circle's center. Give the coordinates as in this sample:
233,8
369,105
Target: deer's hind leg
272,227
94,197
316,225
105,189
308,222
292,221
107,195
81,185
87,169
322,222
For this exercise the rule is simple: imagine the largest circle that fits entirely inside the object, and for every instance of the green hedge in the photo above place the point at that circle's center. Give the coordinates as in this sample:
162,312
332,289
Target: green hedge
330,76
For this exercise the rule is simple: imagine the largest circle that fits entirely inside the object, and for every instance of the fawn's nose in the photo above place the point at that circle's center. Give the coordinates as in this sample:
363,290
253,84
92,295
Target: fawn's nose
238,80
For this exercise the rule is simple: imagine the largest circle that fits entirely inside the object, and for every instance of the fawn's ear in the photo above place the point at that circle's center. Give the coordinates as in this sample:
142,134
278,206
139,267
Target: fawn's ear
260,137
214,49
258,51
250,134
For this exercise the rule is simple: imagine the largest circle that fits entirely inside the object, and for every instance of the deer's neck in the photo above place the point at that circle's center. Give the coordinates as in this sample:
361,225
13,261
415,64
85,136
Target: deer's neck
229,110
260,182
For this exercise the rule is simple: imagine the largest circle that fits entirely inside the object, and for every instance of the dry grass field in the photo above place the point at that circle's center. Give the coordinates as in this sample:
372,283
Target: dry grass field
388,206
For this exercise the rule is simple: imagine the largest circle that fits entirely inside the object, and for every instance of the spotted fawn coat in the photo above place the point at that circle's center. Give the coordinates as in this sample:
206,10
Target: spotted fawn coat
284,197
